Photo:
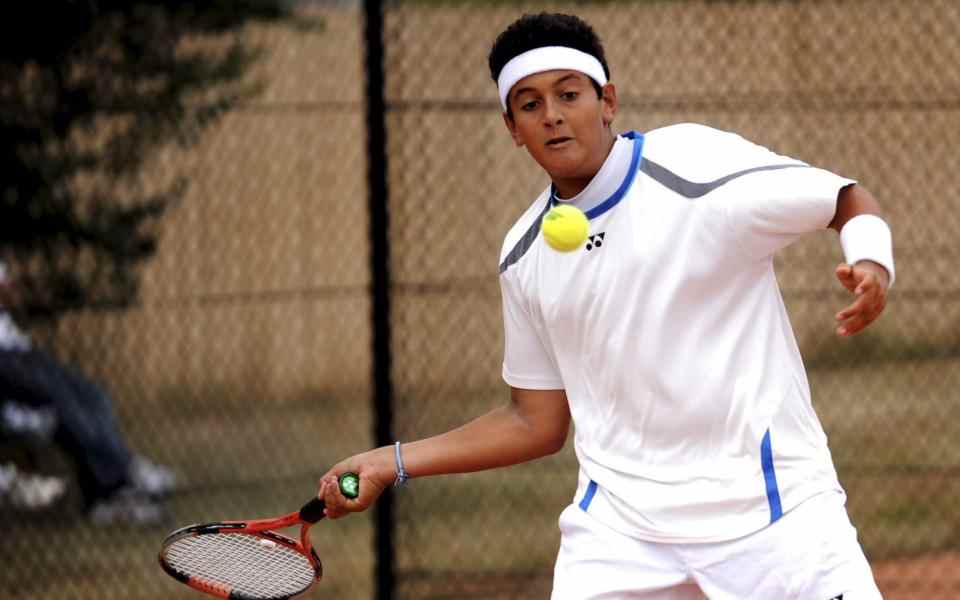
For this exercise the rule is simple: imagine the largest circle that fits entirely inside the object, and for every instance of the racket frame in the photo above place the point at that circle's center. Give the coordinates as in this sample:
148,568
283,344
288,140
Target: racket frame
311,512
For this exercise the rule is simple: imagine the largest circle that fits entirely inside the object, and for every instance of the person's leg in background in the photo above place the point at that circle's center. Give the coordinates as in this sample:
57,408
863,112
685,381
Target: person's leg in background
145,475
87,431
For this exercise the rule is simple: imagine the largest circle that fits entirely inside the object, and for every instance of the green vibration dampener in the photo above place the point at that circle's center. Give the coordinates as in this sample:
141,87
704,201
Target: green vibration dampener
350,485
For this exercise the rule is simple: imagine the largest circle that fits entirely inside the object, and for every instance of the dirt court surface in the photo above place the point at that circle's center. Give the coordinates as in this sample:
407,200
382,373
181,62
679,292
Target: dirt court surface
926,578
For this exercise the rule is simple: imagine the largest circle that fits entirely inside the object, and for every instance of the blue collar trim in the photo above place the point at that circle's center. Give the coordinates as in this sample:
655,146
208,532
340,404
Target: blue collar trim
618,195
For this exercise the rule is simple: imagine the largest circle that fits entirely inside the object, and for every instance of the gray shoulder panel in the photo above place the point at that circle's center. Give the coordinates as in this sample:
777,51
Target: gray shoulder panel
525,242
690,189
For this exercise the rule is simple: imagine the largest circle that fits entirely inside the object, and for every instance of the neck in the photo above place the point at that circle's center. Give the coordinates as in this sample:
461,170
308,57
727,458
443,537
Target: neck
568,187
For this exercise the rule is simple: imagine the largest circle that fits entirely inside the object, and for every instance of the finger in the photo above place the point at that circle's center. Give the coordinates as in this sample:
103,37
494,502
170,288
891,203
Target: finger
873,287
852,322
859,320
333,499
856,324
866,281
845,275
848,328
865,284
858,306
872,293
321,489
848,282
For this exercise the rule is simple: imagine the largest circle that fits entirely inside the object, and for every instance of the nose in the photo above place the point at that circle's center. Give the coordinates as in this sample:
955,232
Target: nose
552,115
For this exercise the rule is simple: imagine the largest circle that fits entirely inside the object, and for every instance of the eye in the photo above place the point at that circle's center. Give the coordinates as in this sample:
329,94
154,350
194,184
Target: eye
569,95
528,106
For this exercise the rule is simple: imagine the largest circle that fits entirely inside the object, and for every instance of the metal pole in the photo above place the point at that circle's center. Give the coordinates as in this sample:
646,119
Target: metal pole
378,201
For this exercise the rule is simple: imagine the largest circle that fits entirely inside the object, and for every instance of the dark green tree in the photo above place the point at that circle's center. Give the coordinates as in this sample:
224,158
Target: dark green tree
89,89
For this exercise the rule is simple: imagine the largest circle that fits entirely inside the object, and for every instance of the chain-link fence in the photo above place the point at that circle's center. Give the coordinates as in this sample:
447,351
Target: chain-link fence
246,363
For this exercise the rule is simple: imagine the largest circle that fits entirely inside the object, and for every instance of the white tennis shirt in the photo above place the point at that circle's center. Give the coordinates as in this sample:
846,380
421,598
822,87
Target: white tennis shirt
691,407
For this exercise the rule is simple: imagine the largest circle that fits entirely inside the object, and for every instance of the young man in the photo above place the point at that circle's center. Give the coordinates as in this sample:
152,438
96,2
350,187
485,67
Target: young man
704,471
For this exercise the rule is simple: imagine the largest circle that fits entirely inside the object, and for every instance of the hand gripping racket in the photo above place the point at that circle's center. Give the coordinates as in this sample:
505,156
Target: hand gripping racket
249,560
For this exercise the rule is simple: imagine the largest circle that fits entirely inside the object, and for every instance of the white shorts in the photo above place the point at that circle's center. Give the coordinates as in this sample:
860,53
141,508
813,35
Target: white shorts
810,553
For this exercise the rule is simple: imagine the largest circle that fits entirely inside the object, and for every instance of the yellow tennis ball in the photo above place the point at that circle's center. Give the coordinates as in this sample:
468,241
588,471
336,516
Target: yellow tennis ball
565,227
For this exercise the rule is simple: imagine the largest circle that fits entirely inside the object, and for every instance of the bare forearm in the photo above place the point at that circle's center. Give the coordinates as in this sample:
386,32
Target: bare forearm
533,424
504,436
499,438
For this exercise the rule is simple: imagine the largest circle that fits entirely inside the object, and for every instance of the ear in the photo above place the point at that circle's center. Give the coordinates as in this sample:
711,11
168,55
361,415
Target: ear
608,110
513,129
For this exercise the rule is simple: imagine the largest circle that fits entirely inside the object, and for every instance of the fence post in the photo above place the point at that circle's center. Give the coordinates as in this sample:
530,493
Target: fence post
378,200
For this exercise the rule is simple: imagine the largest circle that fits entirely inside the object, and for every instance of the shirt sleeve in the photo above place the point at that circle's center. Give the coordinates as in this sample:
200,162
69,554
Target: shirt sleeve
527,364
770,207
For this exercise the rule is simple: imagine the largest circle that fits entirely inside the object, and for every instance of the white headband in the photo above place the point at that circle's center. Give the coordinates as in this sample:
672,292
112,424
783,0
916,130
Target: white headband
547,58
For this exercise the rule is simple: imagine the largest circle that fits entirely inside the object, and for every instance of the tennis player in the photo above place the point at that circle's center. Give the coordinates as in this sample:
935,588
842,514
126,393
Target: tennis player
704,471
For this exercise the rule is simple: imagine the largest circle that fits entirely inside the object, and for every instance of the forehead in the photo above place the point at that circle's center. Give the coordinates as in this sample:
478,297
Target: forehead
546,80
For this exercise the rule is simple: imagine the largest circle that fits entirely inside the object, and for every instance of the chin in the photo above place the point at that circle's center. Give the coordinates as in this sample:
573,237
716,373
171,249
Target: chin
563,170
560,166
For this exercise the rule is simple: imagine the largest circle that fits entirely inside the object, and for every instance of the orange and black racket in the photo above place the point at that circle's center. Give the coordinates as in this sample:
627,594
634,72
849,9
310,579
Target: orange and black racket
249,560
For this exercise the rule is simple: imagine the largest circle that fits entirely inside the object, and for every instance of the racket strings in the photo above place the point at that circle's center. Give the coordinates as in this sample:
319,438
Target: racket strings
247,564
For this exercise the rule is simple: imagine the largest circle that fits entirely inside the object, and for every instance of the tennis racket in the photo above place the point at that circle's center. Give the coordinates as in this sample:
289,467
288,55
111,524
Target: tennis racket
249,560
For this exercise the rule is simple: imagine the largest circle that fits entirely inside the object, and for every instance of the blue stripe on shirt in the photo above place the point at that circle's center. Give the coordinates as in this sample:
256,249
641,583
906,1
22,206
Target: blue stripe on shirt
770,477
588,497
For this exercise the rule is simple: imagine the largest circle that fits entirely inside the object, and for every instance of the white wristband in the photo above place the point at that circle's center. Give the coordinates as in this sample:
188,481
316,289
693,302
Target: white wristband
868,237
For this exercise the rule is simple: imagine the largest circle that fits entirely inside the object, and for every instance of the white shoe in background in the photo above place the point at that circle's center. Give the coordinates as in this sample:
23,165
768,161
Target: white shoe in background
29,491
127,506
156,481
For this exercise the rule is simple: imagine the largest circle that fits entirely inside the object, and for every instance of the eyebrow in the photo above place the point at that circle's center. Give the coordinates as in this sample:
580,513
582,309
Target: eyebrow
554,84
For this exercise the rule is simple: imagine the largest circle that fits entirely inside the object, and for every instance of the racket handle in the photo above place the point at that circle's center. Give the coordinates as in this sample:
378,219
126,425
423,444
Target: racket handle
350,485
312,511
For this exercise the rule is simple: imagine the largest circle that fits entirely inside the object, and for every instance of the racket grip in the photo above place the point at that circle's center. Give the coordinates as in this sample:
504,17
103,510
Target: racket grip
312,511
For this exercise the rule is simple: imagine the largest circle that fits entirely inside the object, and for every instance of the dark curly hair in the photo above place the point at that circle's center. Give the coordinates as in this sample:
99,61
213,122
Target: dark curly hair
545,29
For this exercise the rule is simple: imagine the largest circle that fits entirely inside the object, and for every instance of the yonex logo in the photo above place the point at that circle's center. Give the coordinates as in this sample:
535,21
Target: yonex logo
595,241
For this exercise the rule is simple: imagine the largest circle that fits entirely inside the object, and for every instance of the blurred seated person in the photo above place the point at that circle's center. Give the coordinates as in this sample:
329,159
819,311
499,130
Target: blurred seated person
116,485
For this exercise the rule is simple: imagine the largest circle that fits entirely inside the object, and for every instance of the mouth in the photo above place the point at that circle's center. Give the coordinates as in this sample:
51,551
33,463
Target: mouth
558,141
